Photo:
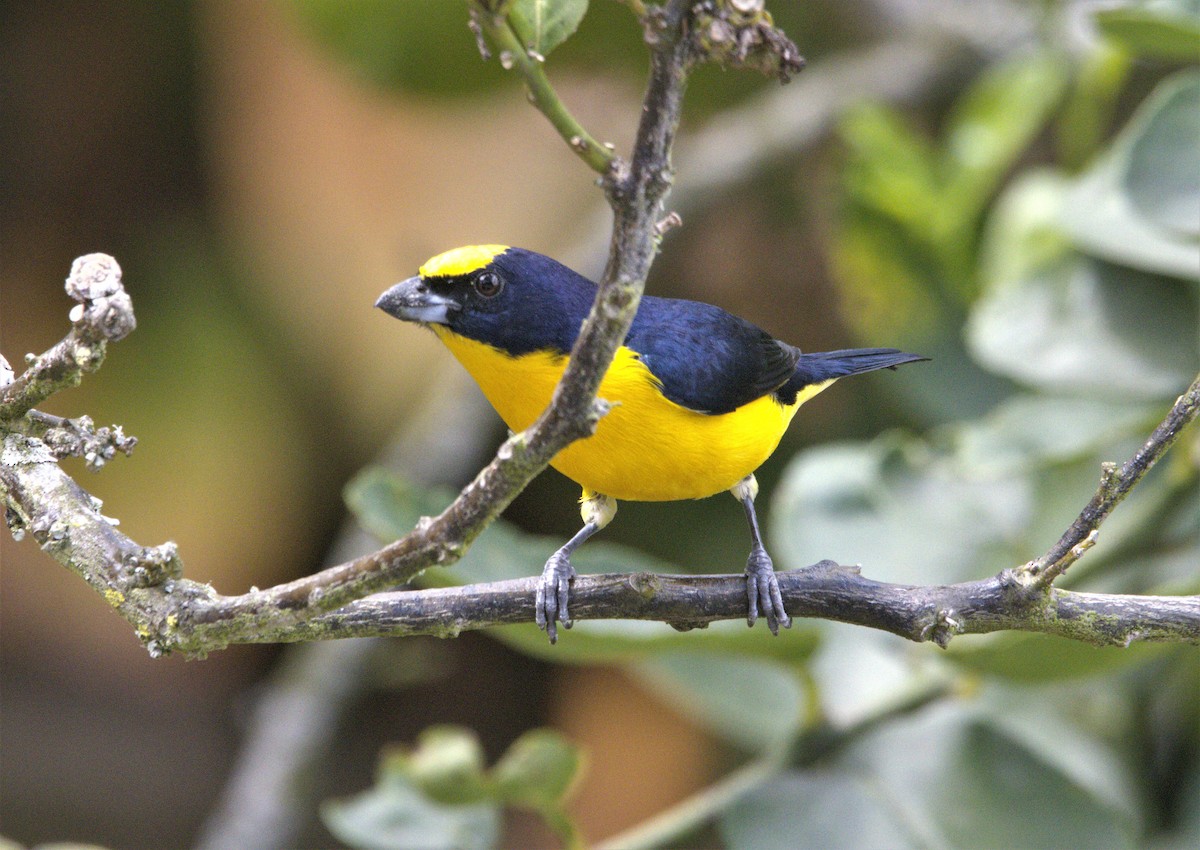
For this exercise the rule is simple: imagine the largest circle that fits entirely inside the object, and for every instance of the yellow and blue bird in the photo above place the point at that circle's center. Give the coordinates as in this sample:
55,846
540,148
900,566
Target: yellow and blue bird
700,398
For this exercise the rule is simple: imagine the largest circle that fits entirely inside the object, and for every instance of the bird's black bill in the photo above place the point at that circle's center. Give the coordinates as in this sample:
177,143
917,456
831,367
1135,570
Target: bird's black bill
413,300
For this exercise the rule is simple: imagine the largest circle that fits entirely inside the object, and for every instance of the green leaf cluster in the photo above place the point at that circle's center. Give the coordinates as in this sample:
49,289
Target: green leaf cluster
440,795
906,250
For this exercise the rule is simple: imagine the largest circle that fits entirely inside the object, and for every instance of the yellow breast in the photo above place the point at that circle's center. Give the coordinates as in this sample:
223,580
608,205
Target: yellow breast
648,448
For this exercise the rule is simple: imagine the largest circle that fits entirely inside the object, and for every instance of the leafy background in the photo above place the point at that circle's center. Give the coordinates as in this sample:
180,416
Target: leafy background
263,170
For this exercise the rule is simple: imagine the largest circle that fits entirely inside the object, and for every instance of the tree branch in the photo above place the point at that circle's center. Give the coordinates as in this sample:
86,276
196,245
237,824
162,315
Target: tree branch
825,590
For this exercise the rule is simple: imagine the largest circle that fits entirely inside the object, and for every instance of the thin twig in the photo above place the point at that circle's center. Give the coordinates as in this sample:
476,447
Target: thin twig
516,56
1115,485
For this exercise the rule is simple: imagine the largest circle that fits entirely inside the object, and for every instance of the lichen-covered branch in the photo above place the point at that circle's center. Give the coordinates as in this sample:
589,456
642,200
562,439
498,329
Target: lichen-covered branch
825,590
104,313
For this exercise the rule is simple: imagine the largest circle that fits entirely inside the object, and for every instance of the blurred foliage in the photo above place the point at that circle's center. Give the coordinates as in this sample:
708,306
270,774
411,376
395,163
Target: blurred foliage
955,775
906,251
1162,29
440,796
1050,265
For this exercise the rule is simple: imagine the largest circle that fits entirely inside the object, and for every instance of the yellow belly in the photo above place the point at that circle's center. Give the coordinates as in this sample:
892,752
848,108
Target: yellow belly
647,448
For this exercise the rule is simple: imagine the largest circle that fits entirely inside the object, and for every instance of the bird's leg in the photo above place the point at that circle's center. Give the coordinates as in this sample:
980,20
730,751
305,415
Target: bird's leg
553,594
762,587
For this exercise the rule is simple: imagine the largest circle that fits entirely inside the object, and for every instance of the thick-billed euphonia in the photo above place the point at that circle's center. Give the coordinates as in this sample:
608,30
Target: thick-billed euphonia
700,398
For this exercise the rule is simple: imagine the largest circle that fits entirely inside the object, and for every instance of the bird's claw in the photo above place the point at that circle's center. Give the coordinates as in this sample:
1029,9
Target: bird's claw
553,596
762,591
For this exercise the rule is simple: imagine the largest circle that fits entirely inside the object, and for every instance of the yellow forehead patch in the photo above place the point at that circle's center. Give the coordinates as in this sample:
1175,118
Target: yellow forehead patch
461,260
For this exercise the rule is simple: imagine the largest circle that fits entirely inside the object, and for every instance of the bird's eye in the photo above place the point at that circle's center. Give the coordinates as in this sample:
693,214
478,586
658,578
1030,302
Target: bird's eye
488,284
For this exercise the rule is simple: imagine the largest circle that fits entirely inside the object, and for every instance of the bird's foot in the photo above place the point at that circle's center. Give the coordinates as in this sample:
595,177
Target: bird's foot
553,595
762,592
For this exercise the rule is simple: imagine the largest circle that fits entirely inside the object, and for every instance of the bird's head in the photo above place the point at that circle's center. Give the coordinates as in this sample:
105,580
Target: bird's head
510,298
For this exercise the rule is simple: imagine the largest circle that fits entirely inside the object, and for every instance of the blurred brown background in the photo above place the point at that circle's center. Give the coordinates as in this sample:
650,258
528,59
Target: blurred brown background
259,195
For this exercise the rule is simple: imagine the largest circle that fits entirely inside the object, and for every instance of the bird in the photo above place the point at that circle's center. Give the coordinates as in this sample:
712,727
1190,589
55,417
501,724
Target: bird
699,398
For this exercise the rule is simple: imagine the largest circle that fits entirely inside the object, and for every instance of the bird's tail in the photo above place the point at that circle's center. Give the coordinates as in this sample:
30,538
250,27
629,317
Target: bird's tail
823,365
820,368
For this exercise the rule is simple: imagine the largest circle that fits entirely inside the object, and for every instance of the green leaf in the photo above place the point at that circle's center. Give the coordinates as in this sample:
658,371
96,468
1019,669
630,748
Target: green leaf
755,704
1166,29
1024,233
937,194
545,24
861,674
947,777
1162,169
1052,724
892,169
396,815
538,770
1027,431
1083,326
447,765
1102,222
1056,319
1138,205
960,777
1085,117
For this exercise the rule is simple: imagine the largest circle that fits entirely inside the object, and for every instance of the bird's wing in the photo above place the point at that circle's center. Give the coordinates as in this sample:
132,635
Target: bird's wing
706,359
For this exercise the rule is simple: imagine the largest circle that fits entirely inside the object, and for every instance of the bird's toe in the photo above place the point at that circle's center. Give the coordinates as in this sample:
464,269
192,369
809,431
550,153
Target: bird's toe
552,603
763,593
